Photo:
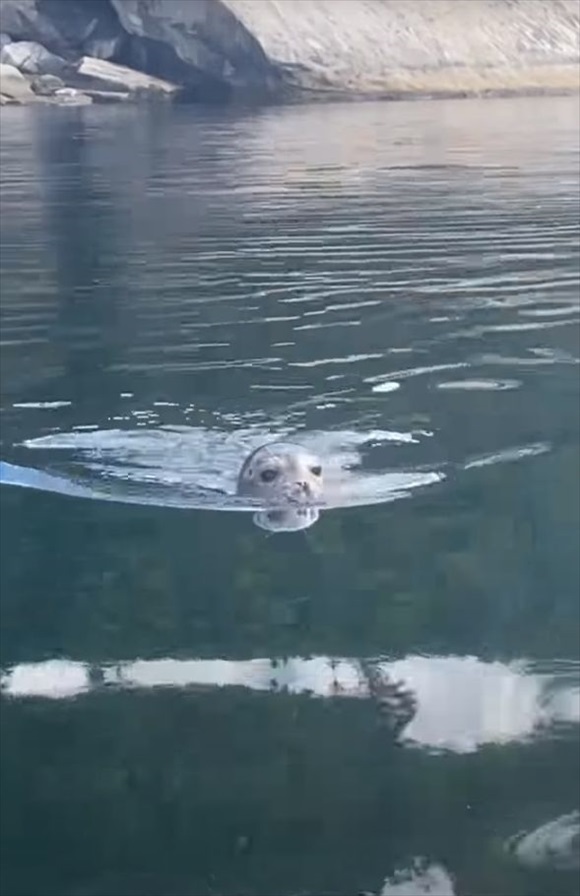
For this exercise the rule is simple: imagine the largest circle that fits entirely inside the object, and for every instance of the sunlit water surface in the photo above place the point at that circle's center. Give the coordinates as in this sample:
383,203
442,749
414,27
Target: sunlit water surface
387,702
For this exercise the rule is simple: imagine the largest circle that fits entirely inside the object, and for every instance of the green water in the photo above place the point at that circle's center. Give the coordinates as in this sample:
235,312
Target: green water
190,704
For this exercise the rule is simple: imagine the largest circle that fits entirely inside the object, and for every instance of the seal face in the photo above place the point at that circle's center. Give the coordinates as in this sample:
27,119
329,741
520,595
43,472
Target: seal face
282,472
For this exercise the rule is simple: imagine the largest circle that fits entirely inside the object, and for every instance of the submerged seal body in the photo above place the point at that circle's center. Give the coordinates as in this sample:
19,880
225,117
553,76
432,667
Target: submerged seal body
289,478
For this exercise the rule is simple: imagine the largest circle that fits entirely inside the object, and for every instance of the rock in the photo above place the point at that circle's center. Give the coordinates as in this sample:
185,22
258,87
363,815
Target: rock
406,47
25,20
14,85
32,58
88,28
108,96
216,49
69,28
46,85
104,73
197,43
69,96
554,845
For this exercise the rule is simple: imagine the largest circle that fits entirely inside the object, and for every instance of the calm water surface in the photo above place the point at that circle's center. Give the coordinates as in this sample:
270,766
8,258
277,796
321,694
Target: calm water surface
191,705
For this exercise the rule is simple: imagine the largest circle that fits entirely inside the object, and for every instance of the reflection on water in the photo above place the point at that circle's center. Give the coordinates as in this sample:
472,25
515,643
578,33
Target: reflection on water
420,879
554,844
492,702
388,701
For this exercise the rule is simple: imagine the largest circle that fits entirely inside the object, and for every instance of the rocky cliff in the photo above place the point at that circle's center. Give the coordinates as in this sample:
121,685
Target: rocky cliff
217,49
419,46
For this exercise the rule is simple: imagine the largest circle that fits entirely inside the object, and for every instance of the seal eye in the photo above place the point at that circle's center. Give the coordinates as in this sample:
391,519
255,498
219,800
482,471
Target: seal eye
268,475
316,470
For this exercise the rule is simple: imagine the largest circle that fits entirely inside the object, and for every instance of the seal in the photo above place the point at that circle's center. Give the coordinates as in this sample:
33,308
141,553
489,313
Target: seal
288,477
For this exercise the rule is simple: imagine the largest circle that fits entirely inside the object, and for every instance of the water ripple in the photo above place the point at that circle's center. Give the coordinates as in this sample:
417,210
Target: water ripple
236,287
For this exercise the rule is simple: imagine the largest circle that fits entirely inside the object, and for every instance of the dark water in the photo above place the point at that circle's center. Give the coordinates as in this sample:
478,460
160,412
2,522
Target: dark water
190,704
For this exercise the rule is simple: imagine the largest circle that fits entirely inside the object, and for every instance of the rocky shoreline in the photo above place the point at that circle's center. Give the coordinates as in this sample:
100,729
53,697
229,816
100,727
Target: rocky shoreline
94,80
78,52
29,73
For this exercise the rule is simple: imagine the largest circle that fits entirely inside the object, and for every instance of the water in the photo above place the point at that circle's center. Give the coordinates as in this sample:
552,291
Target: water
192,705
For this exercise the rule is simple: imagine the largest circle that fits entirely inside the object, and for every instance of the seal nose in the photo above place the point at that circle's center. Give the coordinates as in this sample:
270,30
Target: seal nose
304,487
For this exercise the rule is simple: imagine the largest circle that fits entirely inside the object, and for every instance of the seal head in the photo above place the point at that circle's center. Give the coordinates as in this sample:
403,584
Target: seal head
282,473
287,477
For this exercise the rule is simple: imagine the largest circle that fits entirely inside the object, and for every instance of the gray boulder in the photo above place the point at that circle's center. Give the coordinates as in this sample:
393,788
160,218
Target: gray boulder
68,28
46,85
195,43
109,96
101,74
32,58
24,20
14,86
